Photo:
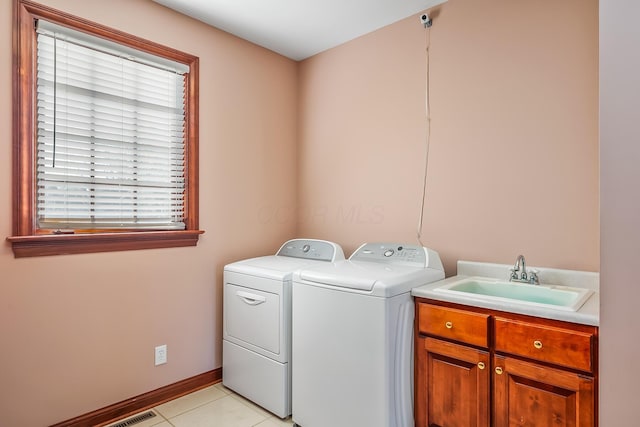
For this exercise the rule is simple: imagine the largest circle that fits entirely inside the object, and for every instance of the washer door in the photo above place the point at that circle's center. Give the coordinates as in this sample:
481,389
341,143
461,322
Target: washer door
252,317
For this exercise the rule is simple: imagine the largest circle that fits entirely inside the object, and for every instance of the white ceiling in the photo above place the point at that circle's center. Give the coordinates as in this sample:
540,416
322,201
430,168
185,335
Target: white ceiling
300,28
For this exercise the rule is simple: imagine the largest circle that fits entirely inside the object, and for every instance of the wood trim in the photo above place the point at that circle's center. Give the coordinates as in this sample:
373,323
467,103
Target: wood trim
192,148
63,244
27,240
23,122
37,10
144,401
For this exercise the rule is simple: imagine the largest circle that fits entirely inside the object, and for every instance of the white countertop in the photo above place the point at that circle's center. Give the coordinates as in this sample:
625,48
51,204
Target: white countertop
588,314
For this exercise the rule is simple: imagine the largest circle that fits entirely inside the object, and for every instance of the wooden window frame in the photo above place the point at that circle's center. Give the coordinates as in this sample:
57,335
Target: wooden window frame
27,240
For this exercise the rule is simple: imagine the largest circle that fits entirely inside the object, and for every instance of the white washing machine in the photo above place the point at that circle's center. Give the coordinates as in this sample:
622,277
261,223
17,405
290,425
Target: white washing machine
353,337
256,346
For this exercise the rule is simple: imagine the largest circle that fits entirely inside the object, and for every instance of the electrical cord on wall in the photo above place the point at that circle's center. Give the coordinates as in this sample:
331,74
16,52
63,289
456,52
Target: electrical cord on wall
428,135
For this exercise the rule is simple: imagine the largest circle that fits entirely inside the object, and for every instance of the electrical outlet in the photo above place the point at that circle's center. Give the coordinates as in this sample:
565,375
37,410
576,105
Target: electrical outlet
161,354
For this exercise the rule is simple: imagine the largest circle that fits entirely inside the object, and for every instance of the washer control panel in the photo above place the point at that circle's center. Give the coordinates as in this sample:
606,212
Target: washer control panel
392,253
320,250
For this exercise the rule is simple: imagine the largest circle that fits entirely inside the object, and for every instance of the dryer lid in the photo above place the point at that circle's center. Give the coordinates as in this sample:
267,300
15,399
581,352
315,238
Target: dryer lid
292,255
273,266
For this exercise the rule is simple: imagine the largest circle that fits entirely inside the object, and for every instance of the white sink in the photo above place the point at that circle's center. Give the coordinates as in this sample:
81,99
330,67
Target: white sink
549,296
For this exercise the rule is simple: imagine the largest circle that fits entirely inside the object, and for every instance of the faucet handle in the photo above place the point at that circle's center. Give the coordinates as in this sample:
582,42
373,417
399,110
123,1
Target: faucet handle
533,276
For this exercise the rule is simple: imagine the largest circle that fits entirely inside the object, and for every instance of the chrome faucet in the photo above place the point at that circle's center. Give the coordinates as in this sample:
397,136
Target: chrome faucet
523,277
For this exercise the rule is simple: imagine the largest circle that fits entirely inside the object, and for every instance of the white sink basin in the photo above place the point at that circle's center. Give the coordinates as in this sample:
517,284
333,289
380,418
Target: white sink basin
549,296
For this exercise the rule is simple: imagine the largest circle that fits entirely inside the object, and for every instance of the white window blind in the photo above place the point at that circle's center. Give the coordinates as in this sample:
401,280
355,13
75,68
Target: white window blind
110,141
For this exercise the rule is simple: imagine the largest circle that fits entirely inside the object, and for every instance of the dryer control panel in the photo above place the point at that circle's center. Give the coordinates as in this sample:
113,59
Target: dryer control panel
392,253
319,250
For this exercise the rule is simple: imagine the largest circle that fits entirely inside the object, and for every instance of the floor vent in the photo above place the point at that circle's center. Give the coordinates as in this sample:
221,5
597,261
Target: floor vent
135,420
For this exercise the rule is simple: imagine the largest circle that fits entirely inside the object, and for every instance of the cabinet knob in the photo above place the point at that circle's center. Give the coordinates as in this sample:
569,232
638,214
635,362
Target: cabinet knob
499,370
537,344
481,365
449,325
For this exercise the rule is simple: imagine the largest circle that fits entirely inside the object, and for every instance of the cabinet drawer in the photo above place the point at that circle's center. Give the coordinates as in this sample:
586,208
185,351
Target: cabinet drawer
450,323
560,346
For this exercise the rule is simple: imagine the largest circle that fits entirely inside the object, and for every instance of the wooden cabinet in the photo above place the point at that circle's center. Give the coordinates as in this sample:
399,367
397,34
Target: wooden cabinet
481,368
569,347
528,394
455,384
453,324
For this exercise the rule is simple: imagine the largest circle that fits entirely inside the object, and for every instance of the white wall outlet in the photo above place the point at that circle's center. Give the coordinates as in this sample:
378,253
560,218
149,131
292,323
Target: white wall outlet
161,354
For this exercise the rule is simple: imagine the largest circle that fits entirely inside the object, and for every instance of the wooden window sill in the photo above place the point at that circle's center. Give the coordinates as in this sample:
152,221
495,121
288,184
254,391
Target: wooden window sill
63,244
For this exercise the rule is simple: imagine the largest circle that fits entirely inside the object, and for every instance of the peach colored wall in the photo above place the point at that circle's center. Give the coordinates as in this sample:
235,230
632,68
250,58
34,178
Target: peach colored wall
77,332
620,212
514,140
514,168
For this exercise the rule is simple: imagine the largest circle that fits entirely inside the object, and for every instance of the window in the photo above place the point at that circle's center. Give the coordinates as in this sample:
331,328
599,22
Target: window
110,138
105,136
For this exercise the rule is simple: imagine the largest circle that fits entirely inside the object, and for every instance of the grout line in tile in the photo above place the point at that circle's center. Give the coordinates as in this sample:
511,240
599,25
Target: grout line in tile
231,396
226,393
223,389
254,407
162,416
190,408
228,396
276,420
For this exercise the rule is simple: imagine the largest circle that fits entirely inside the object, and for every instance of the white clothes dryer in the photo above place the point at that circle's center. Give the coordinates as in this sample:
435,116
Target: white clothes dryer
256,346
353,337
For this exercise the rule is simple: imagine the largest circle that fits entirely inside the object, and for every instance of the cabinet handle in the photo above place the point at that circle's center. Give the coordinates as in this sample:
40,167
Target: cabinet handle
499,370
449,325
481,365
537,344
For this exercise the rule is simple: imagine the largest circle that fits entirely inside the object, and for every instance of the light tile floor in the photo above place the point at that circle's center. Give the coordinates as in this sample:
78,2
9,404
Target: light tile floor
214,406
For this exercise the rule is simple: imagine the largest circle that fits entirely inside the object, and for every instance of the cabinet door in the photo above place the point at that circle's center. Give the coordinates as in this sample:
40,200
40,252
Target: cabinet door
452,385
527,394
